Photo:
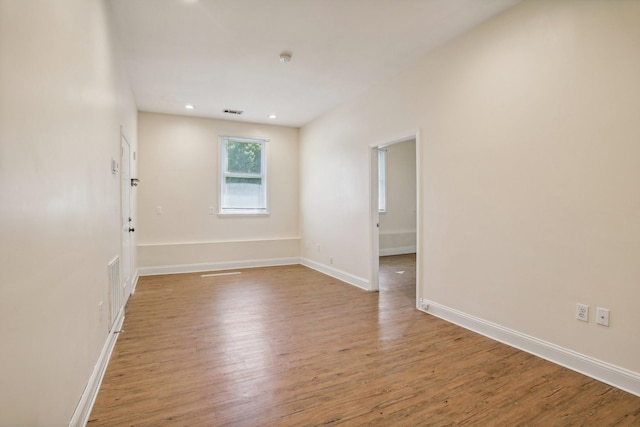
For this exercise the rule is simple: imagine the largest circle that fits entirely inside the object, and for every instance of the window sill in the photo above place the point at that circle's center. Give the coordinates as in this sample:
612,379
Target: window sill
243,213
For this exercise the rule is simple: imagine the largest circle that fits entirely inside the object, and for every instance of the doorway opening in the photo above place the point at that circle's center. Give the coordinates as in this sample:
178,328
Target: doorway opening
395,216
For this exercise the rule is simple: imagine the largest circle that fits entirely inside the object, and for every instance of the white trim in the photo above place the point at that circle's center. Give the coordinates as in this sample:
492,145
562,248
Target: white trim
615,376
374,214
419,209
374,221
240,213
224,173
215,242
398,251
234,136
382,180
135,283
343,276
83,410
401,137
215,266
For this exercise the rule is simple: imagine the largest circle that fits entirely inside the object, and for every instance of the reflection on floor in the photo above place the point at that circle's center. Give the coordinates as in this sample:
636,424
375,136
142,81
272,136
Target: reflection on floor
397,280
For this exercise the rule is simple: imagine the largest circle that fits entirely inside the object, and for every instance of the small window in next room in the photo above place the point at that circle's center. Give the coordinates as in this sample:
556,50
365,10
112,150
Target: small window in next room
243,176
382,180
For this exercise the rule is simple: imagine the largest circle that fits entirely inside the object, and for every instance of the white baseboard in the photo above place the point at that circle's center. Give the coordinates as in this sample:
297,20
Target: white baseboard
135,282
88,398
613,375
398,251
337,274
215,266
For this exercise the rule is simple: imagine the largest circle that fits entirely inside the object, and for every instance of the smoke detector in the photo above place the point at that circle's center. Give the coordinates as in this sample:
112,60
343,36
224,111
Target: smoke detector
285,57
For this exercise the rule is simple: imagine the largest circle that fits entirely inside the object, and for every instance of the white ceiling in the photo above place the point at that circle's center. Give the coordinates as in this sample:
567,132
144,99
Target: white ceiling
219,54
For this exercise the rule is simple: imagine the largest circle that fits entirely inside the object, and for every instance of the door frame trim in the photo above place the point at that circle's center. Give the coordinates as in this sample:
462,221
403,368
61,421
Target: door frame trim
374,216
127,282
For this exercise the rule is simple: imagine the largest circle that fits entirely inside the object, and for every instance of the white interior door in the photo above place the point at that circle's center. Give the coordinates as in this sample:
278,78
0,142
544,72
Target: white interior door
127,226
374,222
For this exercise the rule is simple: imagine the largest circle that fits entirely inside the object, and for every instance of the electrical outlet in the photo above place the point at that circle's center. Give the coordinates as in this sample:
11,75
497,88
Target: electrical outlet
330,260
602,316
582,312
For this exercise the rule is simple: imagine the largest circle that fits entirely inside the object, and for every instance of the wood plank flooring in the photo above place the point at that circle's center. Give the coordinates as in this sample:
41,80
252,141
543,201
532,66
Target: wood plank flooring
288,346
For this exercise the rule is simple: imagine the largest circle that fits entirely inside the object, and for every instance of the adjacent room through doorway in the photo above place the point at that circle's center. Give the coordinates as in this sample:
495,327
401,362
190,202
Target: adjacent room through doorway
397,217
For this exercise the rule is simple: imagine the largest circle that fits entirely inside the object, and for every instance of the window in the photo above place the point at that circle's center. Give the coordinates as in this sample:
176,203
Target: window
382,180
243,176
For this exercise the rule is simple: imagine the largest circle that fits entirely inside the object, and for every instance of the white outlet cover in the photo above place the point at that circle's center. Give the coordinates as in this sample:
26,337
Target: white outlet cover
602,316
582,312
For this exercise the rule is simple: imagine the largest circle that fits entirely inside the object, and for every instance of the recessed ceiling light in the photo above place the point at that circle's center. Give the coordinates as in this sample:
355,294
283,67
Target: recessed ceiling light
189,107
273,116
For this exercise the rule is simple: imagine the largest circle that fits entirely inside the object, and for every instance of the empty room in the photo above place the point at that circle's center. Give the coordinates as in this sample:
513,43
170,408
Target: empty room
312,212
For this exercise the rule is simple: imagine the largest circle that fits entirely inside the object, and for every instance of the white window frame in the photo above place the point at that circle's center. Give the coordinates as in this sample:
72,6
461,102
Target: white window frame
224,173
382,180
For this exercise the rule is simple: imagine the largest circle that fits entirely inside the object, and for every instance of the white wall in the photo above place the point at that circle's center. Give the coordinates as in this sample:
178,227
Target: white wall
63,100
529,140
398,223
179,165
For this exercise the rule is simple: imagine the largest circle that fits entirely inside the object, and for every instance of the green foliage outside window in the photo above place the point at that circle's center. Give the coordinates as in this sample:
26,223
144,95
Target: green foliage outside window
244,157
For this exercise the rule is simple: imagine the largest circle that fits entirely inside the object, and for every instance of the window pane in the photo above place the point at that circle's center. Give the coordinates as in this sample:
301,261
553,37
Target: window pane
243,193
243,176
244,157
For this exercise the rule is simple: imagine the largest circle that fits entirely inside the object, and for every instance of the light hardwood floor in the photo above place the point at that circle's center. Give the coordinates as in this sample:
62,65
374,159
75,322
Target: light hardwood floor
288,346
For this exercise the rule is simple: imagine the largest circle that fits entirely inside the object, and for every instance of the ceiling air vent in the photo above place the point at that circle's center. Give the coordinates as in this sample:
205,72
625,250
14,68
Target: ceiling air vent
236,112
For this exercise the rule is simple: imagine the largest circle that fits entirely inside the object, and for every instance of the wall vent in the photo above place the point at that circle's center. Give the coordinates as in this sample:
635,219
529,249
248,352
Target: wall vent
236,112
115,290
